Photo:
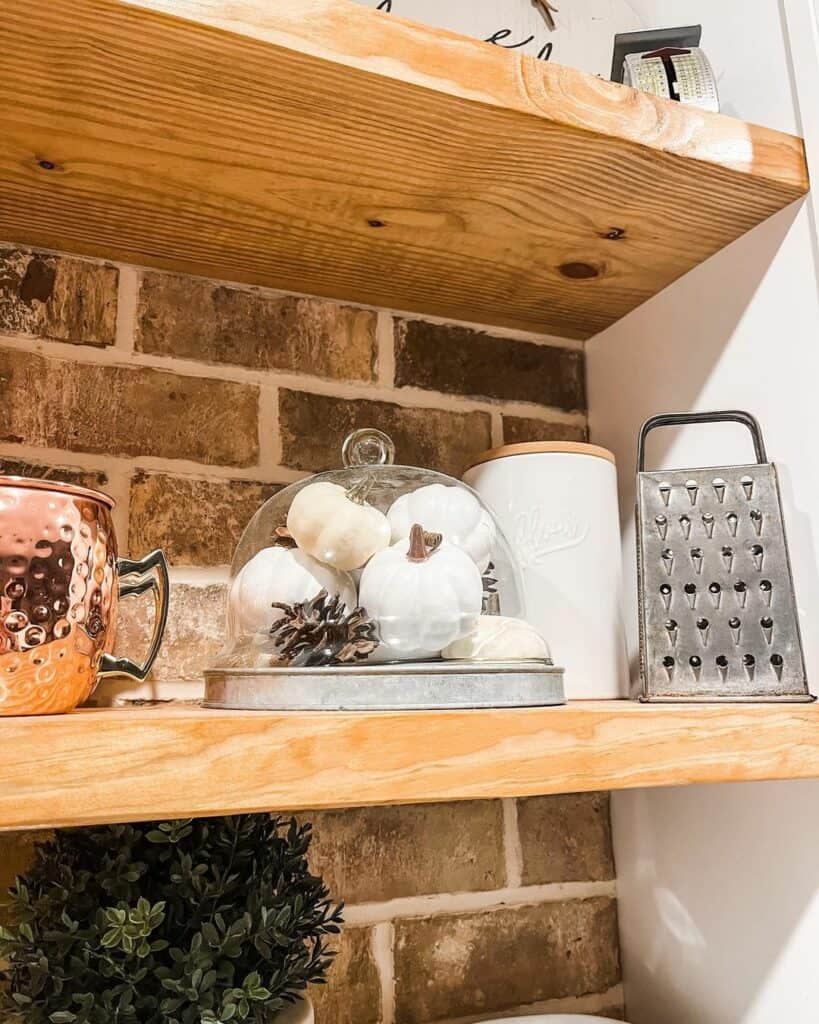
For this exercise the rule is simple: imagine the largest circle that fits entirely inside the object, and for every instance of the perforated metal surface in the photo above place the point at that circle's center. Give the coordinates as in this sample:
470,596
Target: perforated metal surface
717,609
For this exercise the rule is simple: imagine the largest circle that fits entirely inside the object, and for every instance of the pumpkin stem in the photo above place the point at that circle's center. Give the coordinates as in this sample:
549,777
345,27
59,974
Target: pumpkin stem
432,541
422,544
360,490
283,538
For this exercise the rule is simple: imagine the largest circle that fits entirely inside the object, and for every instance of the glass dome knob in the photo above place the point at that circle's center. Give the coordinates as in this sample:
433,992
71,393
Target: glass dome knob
368,447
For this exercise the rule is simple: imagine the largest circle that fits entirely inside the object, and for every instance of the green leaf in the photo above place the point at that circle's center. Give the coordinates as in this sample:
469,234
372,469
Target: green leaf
195,921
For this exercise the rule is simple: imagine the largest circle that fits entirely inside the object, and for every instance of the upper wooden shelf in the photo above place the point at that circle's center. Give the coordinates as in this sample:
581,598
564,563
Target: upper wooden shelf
319,146
179,761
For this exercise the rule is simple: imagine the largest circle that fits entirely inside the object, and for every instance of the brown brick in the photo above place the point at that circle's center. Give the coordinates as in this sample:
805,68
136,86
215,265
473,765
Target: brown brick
194,636
313,428
566,838
197,319
95,479
195,522
119,411
58,297
517,429
461,361
380,853
501,959
352,994
16,856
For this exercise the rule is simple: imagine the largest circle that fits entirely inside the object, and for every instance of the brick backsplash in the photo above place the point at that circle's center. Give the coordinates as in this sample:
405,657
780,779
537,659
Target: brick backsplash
213,323
468,362
58,297
450,966
191,402
195,522
128,411
313,428
517,429
372,854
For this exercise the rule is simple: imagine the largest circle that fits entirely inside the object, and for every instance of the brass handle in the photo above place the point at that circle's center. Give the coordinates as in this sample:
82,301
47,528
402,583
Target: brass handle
155,565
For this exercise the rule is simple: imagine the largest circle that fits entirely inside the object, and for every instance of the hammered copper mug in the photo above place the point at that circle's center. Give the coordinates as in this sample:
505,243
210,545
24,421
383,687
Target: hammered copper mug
60,582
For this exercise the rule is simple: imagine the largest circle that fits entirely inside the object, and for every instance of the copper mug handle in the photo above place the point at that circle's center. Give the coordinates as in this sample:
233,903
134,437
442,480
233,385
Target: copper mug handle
155,565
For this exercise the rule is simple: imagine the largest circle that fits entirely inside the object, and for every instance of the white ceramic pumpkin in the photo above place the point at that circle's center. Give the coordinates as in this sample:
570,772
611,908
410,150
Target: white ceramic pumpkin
337,526
422,595
454,512
498,638
280,574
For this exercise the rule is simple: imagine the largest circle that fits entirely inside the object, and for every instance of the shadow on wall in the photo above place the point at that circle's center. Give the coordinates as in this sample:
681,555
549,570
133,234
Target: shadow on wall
729,913
674,342
692,347
718,885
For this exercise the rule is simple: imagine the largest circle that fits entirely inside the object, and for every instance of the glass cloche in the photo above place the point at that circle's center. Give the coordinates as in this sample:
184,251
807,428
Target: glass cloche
374,565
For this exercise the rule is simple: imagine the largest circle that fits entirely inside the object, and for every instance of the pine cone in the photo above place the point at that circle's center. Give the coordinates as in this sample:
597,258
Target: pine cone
491,599
320,632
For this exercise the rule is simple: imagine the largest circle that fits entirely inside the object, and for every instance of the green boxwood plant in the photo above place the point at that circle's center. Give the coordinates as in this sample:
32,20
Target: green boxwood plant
200,921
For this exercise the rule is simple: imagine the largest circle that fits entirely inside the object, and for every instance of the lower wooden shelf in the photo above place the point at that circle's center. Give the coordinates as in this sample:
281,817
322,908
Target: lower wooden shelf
130,764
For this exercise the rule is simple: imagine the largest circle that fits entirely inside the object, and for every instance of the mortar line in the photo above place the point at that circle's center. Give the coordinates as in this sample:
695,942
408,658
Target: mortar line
199,575
127,292
119,488
382,946
385,346
587,1004
496,428
270,446
512,849
102,462
470,902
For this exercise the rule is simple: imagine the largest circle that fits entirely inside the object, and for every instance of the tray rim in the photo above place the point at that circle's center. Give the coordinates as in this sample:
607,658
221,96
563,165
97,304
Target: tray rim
402,690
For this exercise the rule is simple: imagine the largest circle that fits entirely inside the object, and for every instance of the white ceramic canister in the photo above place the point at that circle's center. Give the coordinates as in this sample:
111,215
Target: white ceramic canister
557,504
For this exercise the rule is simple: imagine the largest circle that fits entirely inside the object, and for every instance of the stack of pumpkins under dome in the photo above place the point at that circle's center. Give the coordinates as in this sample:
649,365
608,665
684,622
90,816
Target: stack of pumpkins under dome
372,565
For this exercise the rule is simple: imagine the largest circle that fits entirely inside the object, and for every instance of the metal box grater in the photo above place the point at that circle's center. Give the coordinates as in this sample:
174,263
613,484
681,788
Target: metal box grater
717,607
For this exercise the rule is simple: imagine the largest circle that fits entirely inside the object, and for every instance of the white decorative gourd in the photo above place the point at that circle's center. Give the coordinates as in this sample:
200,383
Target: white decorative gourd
498,638
337,526
454,512
424,594
281,574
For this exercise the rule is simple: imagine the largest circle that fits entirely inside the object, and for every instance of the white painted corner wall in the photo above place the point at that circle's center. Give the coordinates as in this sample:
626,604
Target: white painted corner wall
719,886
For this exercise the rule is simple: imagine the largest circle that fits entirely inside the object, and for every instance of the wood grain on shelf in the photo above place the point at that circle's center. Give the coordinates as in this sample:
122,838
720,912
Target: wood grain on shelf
320,146
139,763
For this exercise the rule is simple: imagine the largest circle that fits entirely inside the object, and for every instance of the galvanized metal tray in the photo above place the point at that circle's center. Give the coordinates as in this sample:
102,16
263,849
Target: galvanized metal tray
436,685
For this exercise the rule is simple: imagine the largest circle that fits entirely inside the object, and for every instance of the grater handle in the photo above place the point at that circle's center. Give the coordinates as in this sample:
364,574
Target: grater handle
678,419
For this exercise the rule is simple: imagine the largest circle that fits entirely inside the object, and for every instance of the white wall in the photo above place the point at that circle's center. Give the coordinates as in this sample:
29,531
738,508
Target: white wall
719,886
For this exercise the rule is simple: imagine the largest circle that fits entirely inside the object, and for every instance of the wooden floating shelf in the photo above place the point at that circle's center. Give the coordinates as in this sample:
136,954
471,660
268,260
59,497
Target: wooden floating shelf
327,148
180,760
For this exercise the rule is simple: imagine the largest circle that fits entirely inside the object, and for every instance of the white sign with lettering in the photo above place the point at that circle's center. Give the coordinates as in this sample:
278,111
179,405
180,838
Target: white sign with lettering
583,37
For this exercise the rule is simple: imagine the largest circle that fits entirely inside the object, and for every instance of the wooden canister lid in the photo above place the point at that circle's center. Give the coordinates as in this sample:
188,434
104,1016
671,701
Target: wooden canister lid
544,447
